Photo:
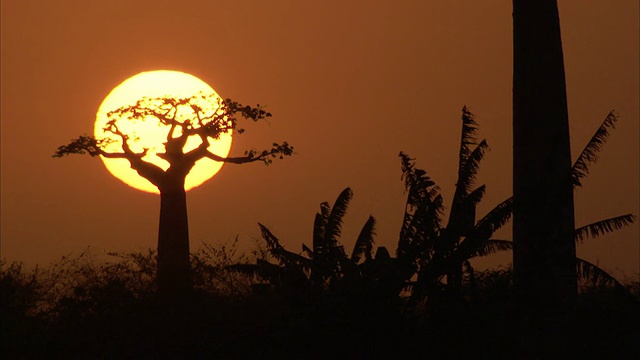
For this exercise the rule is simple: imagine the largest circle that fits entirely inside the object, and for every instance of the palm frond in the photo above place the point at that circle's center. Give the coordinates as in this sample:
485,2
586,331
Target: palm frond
319,226
279,252
463,214
468,136
468,171
364,243
421,187
589,154
492,246
420,229
466,177
424,205
408,235
476,195
485,227
595,275
272,241
333,228
467,139
416,181
603,226
496,218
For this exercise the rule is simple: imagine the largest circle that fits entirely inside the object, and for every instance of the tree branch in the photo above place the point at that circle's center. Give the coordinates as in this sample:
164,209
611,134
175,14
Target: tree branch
266,156
92,146
112,127
83,145
208,120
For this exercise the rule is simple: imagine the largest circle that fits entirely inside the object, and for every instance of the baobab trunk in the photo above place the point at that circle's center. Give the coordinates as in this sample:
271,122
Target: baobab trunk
544,248
173,242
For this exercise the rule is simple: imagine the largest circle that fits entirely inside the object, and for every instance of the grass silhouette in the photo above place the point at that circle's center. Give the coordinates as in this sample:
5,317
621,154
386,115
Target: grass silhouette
82,307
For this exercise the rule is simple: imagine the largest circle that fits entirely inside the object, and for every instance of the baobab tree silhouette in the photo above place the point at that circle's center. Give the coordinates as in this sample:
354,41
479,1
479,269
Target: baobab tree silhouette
204,123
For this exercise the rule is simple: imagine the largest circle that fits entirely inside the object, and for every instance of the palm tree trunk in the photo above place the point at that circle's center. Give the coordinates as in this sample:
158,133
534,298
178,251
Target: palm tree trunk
173,242
544,249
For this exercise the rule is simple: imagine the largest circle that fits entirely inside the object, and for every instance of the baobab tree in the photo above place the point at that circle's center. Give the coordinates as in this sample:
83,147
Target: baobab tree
183,119
544,248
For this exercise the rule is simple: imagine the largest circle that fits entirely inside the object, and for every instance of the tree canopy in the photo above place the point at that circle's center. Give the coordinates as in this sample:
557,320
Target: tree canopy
202,117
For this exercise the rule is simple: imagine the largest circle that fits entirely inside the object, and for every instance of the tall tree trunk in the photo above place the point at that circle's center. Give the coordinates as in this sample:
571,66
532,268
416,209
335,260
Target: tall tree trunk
173,241
544,249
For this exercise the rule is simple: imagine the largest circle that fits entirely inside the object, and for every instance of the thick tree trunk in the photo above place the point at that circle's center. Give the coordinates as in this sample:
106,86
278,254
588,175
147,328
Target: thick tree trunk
544,248
173,242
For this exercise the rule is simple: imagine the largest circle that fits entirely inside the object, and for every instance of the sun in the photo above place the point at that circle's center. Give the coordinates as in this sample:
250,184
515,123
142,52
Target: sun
149,134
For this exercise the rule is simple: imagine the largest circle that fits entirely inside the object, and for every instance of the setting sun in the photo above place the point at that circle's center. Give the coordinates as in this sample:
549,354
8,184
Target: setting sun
149,133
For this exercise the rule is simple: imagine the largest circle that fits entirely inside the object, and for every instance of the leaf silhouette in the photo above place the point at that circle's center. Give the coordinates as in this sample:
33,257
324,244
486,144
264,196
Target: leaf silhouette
364,243
589,154
602,227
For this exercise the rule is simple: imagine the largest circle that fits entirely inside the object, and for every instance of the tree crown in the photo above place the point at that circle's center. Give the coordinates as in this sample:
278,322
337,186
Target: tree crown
191,124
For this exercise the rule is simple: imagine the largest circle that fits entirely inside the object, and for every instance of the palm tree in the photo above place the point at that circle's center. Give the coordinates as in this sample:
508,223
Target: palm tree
436,251
585,270
579,170
544,250
326,264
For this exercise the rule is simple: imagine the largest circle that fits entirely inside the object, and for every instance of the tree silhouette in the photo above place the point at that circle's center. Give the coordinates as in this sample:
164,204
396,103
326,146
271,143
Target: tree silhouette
426,246
183,119
325,267
437,252
585,270
544,249
580,170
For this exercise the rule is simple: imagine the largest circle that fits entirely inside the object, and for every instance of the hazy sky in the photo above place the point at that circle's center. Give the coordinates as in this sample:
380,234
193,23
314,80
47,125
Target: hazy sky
349,86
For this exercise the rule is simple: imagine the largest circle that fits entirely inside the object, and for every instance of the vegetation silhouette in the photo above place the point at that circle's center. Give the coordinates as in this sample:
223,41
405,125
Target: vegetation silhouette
539,318
585,270
436,252
544,249
432,273
85,307
474,239
325,302
546,270
579,170
205,124
325,269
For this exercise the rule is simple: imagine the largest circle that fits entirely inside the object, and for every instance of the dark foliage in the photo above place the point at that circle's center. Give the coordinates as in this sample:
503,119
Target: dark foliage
428,301
438,252
324,270
104,310
201,117
206,123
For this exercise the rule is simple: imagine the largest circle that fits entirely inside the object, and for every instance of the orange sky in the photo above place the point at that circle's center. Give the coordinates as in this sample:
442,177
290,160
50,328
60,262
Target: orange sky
349,87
